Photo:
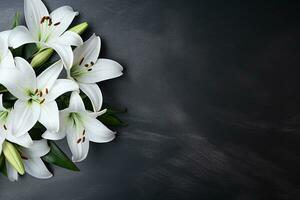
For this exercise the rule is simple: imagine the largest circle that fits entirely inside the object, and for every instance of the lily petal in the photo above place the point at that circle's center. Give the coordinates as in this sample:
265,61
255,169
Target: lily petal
89,51
36,168
53,135
20,36
49,116
96,114
4,36
23,140
6,58
2,138
97,132
38,149
34,11
94,94
12,174
12,79
104,69
48,77
29,77
78,148
50,135
1,103
64,16
64,52
76,104
60,87
26,117
69,38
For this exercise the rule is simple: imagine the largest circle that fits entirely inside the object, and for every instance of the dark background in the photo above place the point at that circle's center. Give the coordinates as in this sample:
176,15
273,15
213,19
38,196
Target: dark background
212,89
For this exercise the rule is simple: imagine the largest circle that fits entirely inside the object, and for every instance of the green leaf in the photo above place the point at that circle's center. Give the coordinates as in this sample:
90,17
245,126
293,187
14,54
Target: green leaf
3,89
111,120
17,20
9,97
2,165
44,66
18,52
112,111
57,157
29,51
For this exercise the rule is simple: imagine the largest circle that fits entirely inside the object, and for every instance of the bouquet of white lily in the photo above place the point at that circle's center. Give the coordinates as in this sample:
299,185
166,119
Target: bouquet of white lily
39,103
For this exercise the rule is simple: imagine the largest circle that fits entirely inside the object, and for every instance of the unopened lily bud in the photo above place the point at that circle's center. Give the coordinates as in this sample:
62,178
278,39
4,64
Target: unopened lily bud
13,157
42,57
80,28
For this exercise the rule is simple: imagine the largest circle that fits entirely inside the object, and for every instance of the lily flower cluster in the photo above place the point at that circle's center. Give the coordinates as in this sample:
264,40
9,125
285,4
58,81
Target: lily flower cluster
42,101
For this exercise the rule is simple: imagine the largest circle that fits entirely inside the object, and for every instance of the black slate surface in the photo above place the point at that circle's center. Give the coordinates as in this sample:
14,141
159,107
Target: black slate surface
212,89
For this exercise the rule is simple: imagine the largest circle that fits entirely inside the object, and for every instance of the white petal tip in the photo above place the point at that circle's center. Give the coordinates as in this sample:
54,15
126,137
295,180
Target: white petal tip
47,176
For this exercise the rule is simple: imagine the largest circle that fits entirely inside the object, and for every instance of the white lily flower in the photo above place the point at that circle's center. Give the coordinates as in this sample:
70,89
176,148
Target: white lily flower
47,30
6,128
87,70
32,161
80,126
36,95
6,57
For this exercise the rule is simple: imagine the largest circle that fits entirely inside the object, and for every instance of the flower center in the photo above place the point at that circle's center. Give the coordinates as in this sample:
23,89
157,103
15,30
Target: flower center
47,26
81,138
76,119
81,69
38,96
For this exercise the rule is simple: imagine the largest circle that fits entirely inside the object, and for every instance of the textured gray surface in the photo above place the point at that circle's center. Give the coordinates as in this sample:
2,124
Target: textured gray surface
213,98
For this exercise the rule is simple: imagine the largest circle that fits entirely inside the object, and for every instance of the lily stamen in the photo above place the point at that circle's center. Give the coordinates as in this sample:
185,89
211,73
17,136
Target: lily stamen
42,20
56,24
42,101
47,91
4,127
50,22
81,61
24,157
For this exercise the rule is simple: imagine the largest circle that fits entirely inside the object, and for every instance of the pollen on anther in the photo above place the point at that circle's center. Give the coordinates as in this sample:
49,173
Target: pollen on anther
42,101
42,20
90,69
86,65
4,127
24,158
83,132
41,93
81,61
47,91
92,63
36,91
50,22
83,139
79,140
56,24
